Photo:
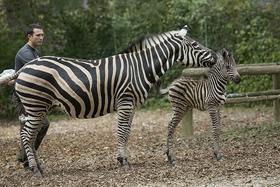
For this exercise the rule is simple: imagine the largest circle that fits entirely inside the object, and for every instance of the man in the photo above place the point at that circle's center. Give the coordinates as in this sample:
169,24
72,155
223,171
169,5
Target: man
35,37
28,52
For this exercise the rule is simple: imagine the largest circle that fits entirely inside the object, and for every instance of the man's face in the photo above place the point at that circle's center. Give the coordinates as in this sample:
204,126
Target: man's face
37,37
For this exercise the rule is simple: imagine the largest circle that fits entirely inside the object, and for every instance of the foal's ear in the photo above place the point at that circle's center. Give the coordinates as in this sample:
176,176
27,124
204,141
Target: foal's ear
225,52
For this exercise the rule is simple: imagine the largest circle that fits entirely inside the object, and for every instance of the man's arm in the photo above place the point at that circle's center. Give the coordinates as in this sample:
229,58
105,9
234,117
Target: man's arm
23,58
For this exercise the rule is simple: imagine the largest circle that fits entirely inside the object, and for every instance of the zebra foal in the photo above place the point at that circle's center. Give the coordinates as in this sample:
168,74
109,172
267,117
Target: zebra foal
92,88
186,94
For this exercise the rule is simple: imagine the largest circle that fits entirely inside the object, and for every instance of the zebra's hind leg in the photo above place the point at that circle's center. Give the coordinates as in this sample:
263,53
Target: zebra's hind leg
214,112
125,116
21,157
28,136
176,118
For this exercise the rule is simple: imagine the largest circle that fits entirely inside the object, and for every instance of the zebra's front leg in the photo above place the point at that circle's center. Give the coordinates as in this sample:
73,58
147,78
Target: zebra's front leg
177,117
28,135
125,116
214,112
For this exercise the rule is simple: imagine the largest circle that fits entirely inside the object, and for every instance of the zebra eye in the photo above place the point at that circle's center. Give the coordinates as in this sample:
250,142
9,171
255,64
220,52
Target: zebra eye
229,66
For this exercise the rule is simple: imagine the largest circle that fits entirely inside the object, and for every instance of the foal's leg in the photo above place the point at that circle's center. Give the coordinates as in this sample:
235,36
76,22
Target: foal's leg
179,112
125,116
214,112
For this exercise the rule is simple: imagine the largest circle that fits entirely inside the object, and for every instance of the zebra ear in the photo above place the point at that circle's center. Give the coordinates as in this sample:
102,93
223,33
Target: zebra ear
183,31
224,52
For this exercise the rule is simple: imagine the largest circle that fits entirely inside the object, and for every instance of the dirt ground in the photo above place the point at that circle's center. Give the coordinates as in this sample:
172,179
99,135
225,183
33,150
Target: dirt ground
83,152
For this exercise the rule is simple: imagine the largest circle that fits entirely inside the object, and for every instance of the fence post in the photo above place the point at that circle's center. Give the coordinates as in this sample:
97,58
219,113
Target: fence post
276,85
187,123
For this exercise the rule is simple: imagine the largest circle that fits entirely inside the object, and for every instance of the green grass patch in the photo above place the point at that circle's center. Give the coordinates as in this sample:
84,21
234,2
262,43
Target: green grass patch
251,132
156,103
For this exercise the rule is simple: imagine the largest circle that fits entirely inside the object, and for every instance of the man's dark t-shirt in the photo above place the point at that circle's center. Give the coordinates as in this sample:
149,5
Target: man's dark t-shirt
24,55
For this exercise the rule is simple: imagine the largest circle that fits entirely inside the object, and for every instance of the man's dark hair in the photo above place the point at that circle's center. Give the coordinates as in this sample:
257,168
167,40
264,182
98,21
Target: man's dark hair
29,29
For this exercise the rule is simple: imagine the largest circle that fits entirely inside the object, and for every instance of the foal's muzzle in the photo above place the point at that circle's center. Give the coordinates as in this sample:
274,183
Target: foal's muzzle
237,79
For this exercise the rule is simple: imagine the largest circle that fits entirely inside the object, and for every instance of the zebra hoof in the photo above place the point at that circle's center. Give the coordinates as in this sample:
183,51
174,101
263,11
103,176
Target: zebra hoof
218,156
123,162
171,159
171,162
40,167
36,172
25,164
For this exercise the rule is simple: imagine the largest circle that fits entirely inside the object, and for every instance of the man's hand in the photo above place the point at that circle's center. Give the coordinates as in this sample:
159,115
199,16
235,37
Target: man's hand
11,83
4,76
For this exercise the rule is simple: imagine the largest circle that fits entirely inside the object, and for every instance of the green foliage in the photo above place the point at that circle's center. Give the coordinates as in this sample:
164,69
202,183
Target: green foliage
155,103
251,84
85,33
6,108
6,46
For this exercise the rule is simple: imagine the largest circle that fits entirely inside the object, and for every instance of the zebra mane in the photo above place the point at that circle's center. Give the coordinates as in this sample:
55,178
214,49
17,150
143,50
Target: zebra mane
146,42
220,59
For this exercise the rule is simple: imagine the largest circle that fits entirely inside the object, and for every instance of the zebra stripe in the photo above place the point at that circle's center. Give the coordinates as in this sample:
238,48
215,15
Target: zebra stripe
186,94
92,88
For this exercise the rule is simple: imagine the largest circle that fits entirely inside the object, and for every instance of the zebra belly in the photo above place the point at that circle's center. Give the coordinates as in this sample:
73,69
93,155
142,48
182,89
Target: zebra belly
200,105
81,109
198,98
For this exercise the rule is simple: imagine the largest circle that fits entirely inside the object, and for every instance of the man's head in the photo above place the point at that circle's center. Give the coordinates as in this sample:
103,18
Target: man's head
35,35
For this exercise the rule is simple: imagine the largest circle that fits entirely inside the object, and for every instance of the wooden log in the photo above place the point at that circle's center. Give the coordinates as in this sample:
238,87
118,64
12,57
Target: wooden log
252,99
195,72
276,85
251,94
244,69
258,70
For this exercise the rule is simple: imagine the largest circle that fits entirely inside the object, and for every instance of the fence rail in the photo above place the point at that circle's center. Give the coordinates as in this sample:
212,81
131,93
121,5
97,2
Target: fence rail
247,69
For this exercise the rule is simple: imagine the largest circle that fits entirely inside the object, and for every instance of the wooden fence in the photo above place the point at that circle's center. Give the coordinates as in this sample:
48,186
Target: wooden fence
248,69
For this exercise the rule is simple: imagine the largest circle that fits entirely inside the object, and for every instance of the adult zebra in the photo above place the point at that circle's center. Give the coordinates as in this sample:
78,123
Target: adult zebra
92,88
186,94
